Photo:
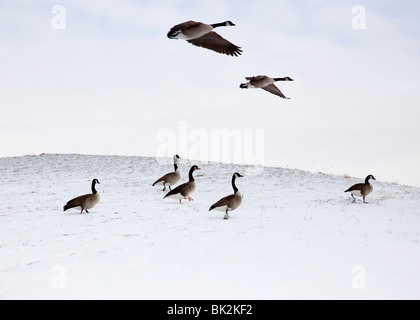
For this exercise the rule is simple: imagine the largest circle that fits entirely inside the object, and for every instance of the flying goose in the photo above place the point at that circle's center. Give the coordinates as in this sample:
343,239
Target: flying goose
230,202
170,178
85,202
361,189
265,83
184,190
201,35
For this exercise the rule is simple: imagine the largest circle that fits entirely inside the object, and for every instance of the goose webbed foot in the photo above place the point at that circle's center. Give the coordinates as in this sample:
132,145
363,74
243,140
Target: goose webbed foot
226,216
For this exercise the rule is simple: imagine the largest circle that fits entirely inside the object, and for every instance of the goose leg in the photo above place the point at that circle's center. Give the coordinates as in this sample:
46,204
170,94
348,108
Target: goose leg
226,215
354,199
164,187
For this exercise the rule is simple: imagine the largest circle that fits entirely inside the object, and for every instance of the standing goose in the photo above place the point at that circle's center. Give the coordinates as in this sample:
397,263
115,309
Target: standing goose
85,202
184,190
170,178
361,189
230,202
265,83
201,35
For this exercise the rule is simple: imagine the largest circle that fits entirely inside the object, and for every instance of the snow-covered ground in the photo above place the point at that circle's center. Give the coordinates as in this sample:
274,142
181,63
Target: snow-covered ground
297,235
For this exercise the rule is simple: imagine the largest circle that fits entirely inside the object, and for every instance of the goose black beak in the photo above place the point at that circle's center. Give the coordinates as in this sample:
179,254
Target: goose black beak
243,86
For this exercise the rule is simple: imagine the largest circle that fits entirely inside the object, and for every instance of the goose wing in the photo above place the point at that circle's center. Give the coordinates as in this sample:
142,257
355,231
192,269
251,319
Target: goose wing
183,189
215,42
76,202
184,26
256,78
274,90
164,178
358,186
223,202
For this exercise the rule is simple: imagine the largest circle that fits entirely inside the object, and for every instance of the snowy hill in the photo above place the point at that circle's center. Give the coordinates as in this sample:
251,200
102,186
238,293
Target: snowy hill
297,235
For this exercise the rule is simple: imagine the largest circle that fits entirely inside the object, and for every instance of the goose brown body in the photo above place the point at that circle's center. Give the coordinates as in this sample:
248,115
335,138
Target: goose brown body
361,189
230,202
201,35
184,190
85,202
170,178
266,83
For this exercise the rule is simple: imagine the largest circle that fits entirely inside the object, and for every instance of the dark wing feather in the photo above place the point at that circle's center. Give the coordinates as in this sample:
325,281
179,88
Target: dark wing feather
256,78
184,26
162,178
215,42
180,189
358,186
76,202
274,90
222,202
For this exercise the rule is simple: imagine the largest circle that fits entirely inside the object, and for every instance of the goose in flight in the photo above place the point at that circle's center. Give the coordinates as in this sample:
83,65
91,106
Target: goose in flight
201,35
265,83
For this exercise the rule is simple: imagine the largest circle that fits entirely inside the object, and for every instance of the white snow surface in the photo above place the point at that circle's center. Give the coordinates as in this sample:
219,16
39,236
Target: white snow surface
297,235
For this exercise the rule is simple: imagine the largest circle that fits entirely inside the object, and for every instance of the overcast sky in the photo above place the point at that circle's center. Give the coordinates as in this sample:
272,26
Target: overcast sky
111,82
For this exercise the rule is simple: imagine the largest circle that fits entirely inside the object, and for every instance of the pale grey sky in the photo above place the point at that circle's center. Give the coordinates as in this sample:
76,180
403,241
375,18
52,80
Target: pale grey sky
111,81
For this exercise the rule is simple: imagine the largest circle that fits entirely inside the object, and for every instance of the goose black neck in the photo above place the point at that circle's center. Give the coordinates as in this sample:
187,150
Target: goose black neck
93,187
367,180
279,79
175,166
235,189
190,175
215,25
